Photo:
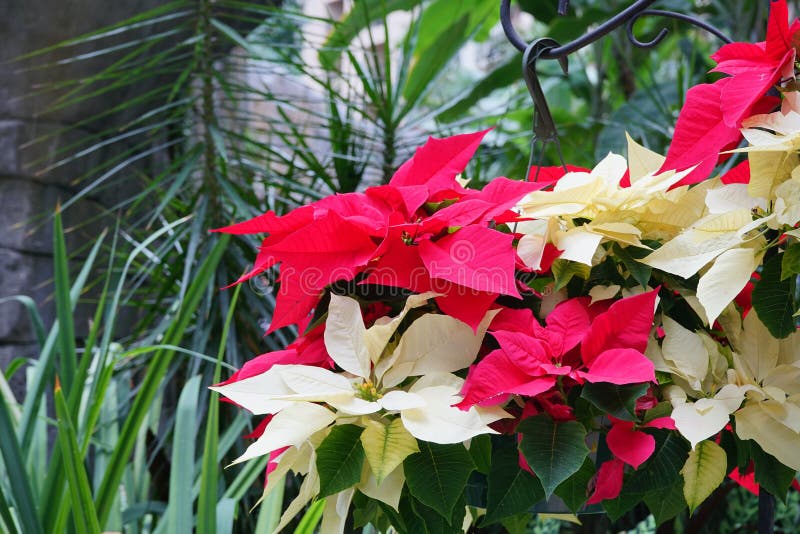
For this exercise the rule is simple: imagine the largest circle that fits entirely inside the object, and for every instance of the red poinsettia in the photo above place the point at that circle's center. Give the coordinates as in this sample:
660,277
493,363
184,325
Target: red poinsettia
710,119
630,445
423,231
578,342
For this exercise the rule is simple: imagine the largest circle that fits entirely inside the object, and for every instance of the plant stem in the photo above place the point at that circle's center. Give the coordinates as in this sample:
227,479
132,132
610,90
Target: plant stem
208,118
766,512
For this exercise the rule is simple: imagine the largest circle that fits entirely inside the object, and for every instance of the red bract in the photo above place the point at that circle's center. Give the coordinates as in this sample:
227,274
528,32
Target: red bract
531,357
422,232
740,174
629,445
607,481
306,350
710,119
550,175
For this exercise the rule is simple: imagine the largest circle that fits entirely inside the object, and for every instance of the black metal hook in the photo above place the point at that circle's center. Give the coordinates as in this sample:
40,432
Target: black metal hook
663,31
544,127
564,50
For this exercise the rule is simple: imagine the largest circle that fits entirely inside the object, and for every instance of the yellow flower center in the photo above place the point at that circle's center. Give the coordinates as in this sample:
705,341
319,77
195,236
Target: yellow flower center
368,391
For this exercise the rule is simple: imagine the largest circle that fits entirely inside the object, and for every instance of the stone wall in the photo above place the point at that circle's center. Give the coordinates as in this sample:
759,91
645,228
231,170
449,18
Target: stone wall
28,192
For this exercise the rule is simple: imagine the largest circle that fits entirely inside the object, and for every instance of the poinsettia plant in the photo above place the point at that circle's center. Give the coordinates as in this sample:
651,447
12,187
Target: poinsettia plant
594,340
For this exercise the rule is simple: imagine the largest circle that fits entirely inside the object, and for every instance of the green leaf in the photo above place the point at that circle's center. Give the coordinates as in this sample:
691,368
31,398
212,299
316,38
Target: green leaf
660,472
310,520
435,523
512,490
428,68
209,492
770,473
153,380
503,76
363,13
573,490
17,478
666,504
480,448
703,472
438,14
790,262
517,524
340,458
66,328
553,450
33,314
437,475
662,409
773,299
663,467
616,508
387,446
639,271
565,270
83,511
181,474
618,401
405,518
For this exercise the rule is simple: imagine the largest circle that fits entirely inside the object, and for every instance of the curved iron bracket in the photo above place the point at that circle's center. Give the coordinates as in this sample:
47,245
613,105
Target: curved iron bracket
544,128
627,16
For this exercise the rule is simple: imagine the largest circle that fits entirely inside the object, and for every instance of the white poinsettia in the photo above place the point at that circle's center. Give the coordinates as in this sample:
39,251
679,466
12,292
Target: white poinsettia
726,246
607,211
787,202
774,140
307,400
702,399
761,389
433,345
769,369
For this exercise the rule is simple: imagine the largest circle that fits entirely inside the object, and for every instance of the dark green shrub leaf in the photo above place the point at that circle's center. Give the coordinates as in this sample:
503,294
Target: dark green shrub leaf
573,490
790,264
512,490
435,523
664,505
565,270
770,473
639,271
437,475
340,458
517,524
773,299
619,401
480,448
663,467
553,450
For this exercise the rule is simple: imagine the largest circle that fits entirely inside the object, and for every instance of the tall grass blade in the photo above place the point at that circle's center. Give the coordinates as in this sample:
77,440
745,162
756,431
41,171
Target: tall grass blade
80,492
225,512
6,519
269,513
66,327
311,518
179,510
21,493
153,381
53,488
33,314
209,474
43,369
